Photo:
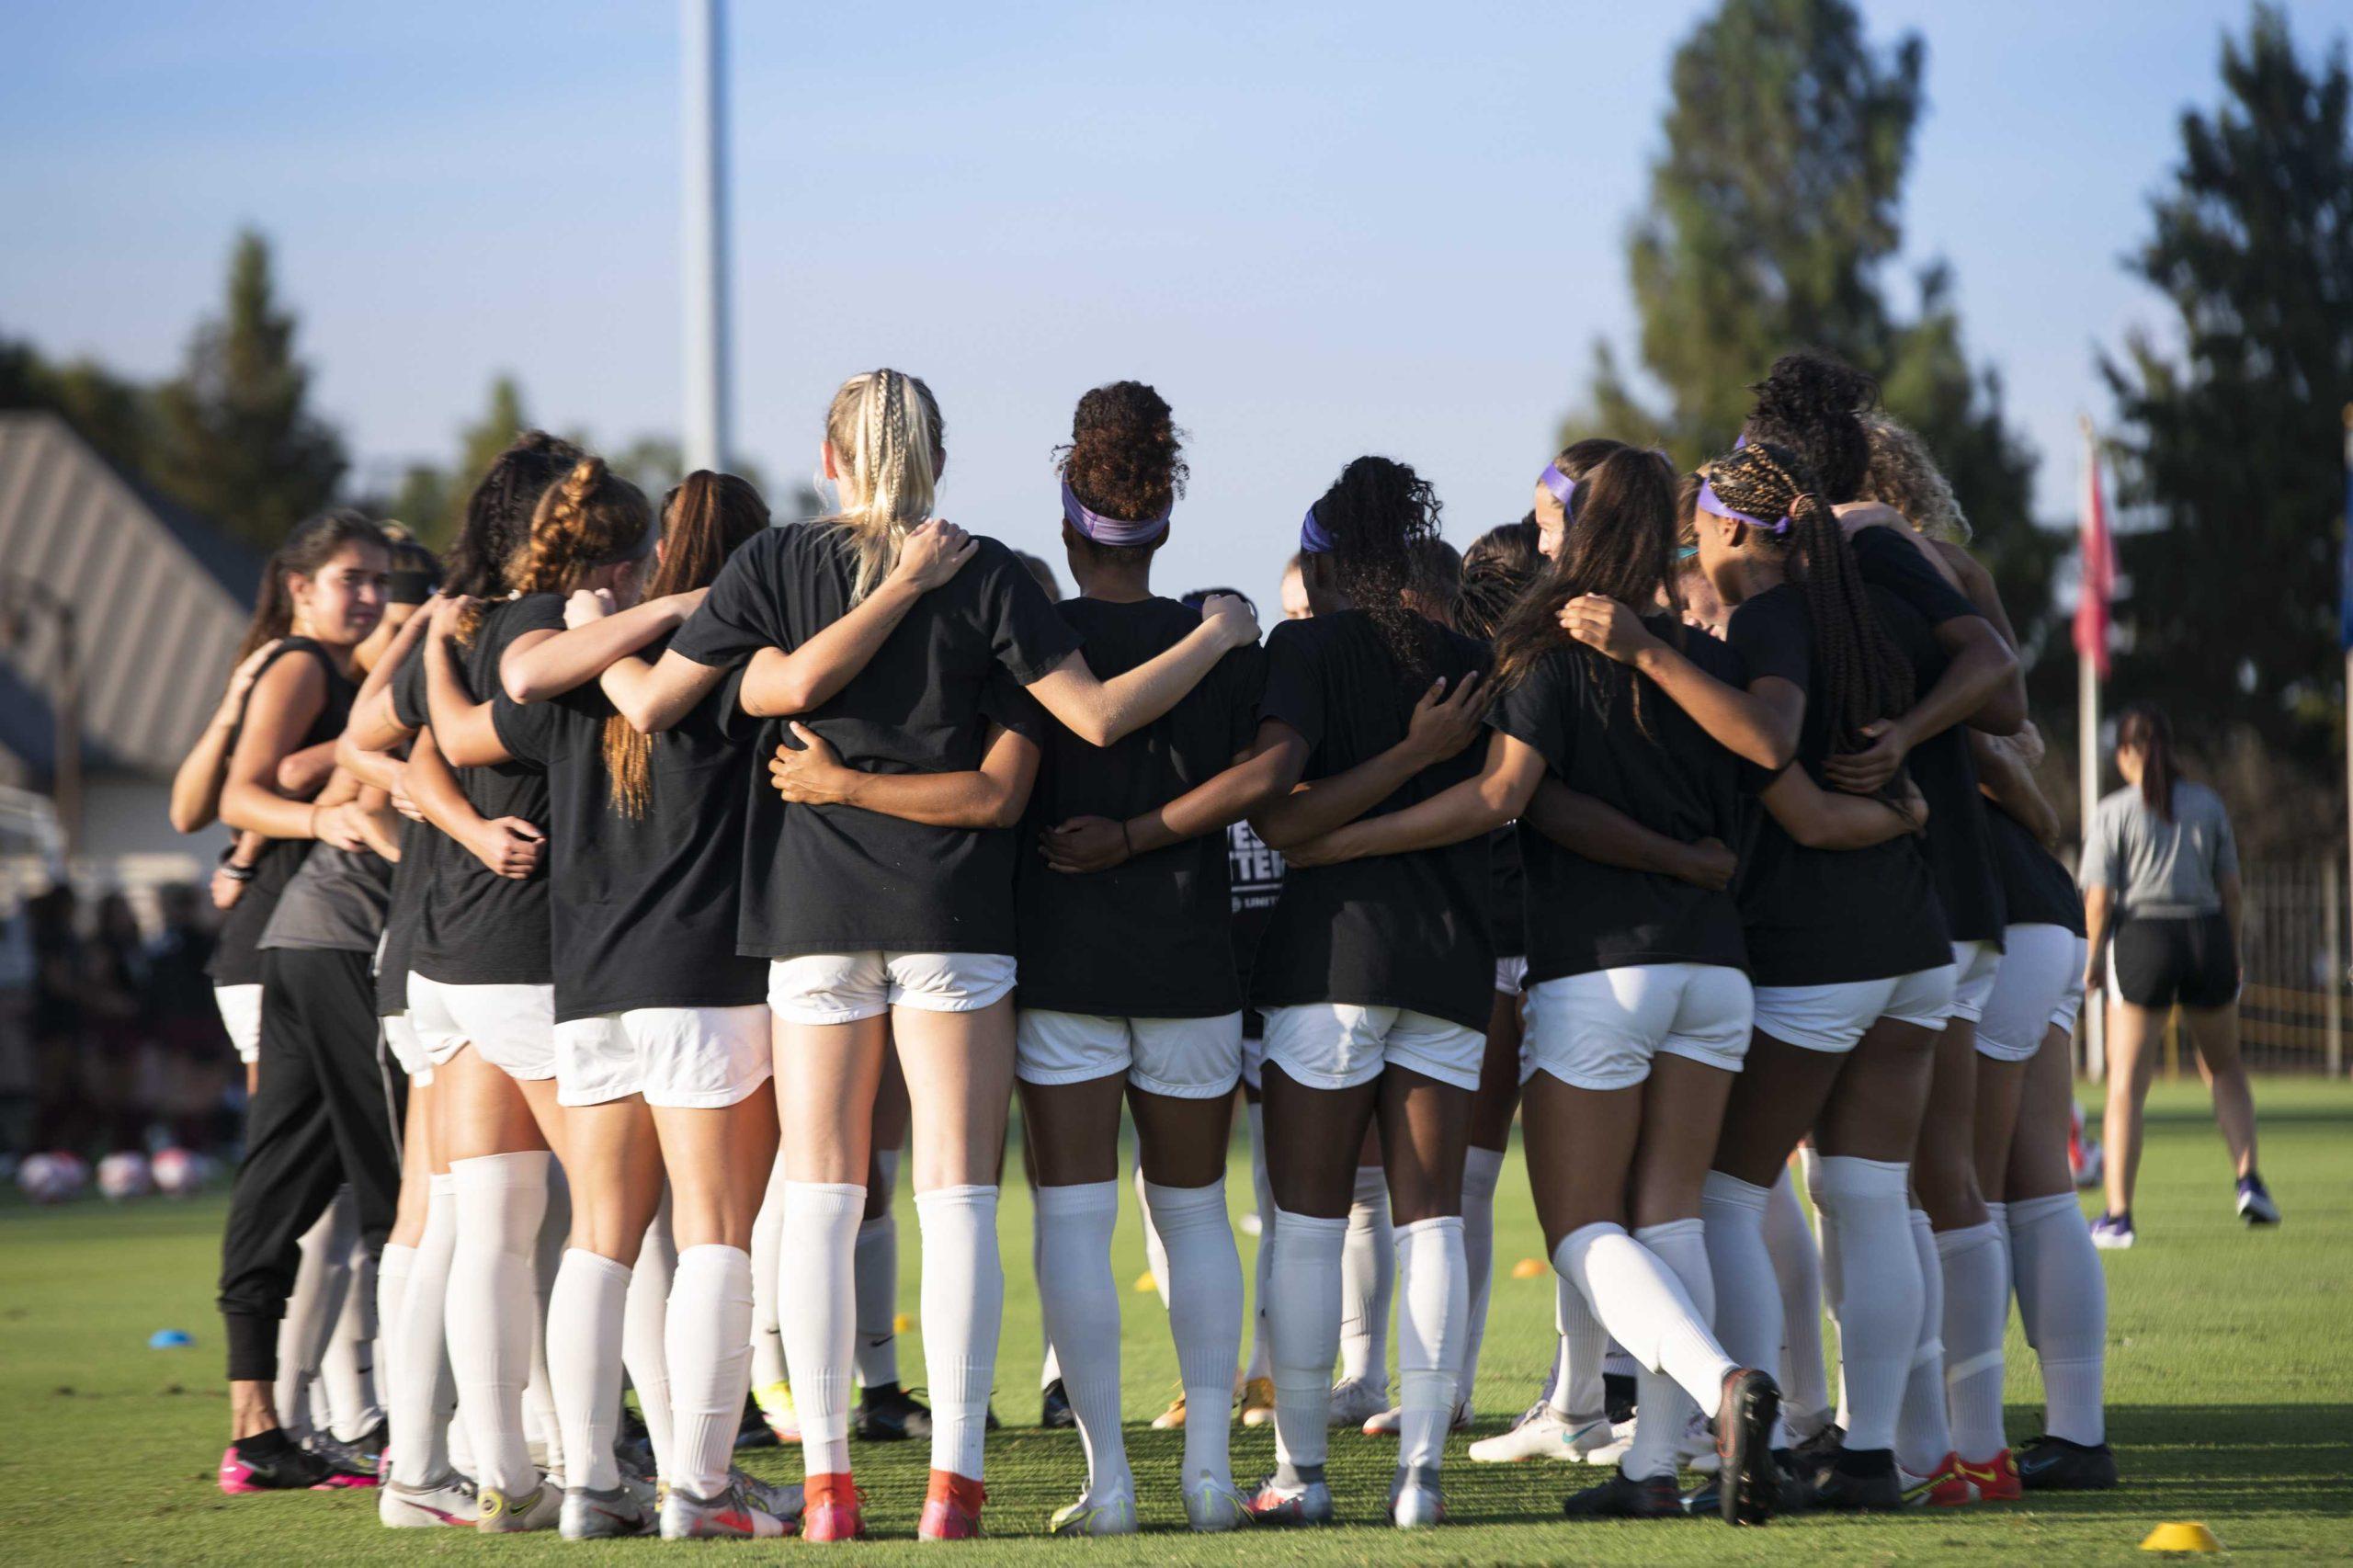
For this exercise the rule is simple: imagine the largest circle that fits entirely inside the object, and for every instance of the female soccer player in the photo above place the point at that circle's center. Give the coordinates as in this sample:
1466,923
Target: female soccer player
864,914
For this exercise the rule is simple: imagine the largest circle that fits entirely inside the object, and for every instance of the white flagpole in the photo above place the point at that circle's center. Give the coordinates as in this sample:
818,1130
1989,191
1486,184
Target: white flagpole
704,50
2088,756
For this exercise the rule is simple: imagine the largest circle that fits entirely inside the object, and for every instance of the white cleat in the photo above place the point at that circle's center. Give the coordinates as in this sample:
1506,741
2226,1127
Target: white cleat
731,1516
1115,1514
1358,1400
1415,1500
1307,1504
1544,1433
497,1514
1214,1506
604,1515
449,1502
1388,1422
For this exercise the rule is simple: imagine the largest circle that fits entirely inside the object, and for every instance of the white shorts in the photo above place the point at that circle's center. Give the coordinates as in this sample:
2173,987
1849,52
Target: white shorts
1599,1029
841,988
1833,1017
512,1026
1254,1056
401,1039
1338,1045
241,1015
2039,965
2071,1001
1188,1059
1511,976
1976,965
695,1058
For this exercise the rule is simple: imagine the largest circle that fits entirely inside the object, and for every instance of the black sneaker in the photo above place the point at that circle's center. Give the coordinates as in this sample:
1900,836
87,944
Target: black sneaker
889,1414
633,1445
1820,1448
1745,1413
1617,1396
271,1461
2054,1464
1860,1483
1055,1412
355,1463
1621,1498
754,1431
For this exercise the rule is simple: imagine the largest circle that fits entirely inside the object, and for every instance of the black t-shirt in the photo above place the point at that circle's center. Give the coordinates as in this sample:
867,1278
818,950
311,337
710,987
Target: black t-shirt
1659,767
237,959
1393,930
1824,917
2036,887
1150,937
476,928
1960,852
643,908
836,878
412,873
1507,893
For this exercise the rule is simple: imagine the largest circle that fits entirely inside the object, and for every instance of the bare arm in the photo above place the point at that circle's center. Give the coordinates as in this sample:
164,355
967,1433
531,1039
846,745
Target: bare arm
508,845
1824,819
462,728
1475,807
537,669
778,683
994,795
196,786
1607,836
1097,843
1103,711
1442,724
654,697
286,702
1760,724
373,726
1973,690
304,773
2099,905
2005,779
2226,887
380,769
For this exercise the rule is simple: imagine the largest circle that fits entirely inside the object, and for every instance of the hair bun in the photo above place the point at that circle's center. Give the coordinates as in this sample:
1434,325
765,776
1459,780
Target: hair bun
1806,386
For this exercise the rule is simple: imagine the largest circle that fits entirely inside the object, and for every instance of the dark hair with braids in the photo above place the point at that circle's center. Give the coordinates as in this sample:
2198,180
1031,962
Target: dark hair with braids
593,517
1377,514
1619,545
1125,460
1860,675
1498,567
1813,405
498,517
2143,727
704,520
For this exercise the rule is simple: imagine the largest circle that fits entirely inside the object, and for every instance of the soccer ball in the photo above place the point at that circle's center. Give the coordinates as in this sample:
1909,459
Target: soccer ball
122,1175
52,1177
178,1173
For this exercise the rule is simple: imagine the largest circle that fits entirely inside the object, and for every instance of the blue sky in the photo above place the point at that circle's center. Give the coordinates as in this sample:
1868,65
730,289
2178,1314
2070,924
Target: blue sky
1320,230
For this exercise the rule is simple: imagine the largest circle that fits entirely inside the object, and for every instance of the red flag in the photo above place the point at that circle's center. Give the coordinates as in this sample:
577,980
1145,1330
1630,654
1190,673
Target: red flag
2098,575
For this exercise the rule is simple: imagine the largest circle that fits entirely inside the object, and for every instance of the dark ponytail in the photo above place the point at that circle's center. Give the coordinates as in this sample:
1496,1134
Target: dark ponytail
1500,565
1377,514
2144,727
273,615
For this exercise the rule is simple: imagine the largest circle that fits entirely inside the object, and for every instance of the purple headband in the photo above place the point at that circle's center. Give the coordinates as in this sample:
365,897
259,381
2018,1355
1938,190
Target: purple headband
1712,503
1313,540
1109,530
1559,483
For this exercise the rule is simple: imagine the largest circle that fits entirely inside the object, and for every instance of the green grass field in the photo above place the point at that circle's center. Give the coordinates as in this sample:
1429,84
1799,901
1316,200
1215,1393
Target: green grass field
2230,1378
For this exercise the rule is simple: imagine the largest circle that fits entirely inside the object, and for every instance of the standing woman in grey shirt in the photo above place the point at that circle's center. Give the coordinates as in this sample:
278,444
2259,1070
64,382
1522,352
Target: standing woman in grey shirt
2161,877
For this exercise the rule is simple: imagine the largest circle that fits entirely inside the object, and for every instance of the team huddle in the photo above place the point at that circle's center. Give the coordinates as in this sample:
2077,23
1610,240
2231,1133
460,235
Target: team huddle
624,903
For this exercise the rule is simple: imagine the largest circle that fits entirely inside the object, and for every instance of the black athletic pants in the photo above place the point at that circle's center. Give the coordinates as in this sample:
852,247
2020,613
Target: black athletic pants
326,1113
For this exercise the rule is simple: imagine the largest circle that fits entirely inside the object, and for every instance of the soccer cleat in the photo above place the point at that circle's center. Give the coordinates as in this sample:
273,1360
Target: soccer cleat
733,1515
1943,1487
591,1515
2054,1464
1415,1502
775,1401
1544,1433
889,1416
448,1502
1847,1487
951,1509
1749,1479
1258,1402
753,1431
1822,1448
541,1509
1622,1497
1387,1423
1173,1418
832,1510
2113,1232
2255,1201
1355,1401
1995,1480
1307,1504
1054,1412
1115,1514
281,1467
782,1498
356,1463
1214,1505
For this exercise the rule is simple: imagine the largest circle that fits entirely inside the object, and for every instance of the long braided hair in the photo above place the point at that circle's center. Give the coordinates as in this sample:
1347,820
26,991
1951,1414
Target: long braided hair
1860,675
498,517
1378,514
889,442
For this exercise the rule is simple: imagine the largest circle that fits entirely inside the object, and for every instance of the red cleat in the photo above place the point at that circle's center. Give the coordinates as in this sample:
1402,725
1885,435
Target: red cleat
1996,1479
830,1509
1944,1487
952,1510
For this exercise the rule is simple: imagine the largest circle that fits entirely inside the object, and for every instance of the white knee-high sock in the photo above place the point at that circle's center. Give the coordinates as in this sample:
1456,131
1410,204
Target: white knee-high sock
1261,1353
1977,1309
1797,1267
2062,1302
1081,1304
1483,1171
963,1311
1204,1312
1368,1273
1644,1307
768,1249
538,1396
1664,1409
1879,1296
1748,1294
1575,1391
1303,1306
422,1396
393,1270
348,1373
645,1334
708,1331
311,1308
1923,1432
584,1338
1156,1251
818,1308
1432,1326
1826,1239
493,1316
876,1269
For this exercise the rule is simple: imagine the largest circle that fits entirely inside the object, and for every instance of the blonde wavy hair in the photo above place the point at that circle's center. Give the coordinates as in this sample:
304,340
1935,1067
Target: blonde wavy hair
889,443
1904,475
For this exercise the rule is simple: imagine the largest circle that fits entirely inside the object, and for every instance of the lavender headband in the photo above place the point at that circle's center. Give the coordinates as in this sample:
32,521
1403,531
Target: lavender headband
1313,540
1560,484
1109,530
1712,503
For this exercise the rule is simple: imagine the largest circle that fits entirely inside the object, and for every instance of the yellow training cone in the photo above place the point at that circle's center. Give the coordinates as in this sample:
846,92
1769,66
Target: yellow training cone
1530,1268
2181,1536
902,1324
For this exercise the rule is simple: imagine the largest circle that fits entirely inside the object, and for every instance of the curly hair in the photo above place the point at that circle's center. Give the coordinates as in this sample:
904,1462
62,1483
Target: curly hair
592,517
498,515
1860,674
1813,405
1377,514
1125,460
1496,569
1904,476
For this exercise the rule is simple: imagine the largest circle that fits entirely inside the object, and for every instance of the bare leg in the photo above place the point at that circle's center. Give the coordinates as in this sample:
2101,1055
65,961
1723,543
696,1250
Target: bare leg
2132,1061
2215,1030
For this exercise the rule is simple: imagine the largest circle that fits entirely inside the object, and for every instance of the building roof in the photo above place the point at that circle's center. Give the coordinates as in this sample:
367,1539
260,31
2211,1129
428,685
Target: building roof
160,597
